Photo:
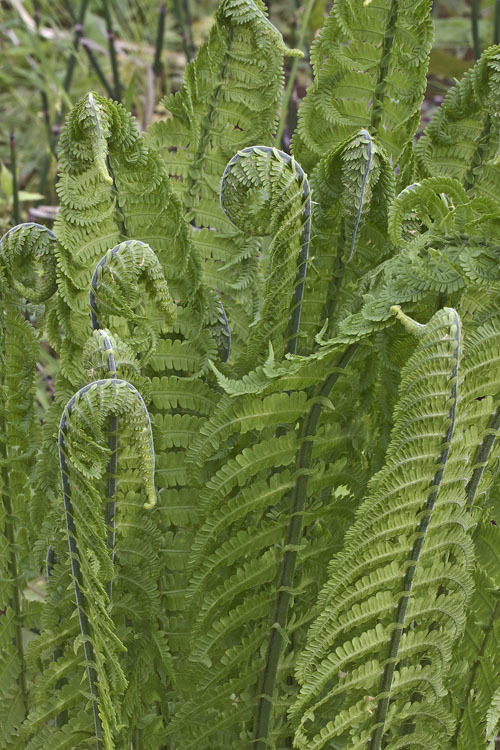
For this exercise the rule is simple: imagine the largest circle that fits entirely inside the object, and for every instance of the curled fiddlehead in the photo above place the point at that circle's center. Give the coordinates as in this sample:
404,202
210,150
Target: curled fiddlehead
22,250
265,192
82,459
115,289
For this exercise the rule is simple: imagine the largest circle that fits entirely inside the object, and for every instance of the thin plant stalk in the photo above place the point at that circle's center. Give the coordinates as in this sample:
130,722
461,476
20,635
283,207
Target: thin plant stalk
160,36
293,75
68,78
77,35
43,94
496,28
183,17
92,58
188,22
112,52
475,28
99,71
15,186
294,538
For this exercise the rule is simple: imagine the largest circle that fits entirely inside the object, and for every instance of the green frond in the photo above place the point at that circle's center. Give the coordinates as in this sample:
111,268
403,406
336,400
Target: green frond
229,100
22,249
353,186
265,192
461,141
374,606
370,61
114,290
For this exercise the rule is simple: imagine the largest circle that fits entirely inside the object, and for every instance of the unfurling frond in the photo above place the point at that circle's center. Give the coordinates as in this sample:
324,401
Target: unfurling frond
265,192
462,139
229,100
114,290
370,61
21,248
352,186
82,457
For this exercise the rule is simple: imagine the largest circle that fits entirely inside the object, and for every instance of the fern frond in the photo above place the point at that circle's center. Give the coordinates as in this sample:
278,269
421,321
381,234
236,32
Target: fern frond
22,250
79,439
353,185
264,191
461,141
369,62
229,100
394,555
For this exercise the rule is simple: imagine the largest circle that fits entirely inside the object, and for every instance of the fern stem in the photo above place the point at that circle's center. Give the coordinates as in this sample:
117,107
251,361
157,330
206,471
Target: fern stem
160,36
15,186
294,538
112,52
392,657
475,28
110,512
75,568
70,69
481,458
381,85
293,74
496,26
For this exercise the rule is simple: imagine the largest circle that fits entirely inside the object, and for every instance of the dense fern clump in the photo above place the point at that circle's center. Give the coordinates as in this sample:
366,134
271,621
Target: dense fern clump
265,498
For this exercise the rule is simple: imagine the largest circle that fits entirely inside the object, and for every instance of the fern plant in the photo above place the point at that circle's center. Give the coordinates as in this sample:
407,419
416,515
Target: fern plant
265,497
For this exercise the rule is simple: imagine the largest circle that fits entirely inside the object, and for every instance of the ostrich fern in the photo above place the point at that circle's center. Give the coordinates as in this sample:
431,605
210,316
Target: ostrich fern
276,414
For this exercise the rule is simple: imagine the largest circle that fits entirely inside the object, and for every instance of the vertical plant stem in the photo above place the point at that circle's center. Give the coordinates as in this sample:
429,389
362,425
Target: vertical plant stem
160,35
99,71
110,512
92,58
68,78
294,538
184,28
76,572
496,28
77,35
188,25
481,457
293,74
380,87
112,52
43,95
475,28
15,187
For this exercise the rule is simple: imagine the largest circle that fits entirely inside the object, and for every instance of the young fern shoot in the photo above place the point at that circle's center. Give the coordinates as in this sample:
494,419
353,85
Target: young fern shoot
265,192
81,462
